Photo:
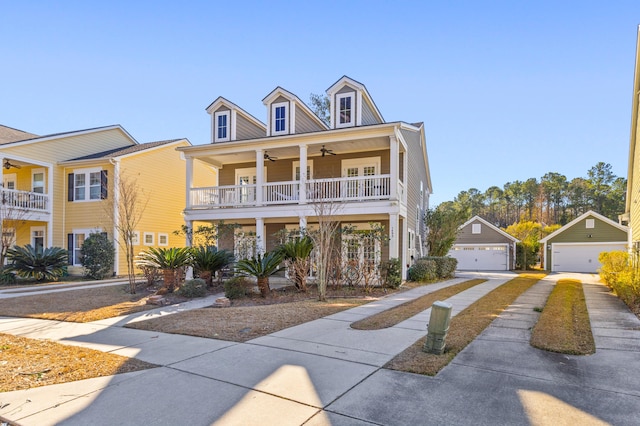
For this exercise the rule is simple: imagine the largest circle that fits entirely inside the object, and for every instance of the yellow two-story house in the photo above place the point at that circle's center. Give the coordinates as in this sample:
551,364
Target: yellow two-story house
58,189
272,176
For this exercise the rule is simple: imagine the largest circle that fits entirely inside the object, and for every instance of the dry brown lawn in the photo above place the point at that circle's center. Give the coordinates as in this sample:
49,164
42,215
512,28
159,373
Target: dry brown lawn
28,363
242,323
564,324
84,305
395,315
464,327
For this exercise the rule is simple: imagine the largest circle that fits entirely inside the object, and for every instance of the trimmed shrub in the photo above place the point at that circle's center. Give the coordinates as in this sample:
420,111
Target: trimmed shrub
193,288
423,270
445,266
237,287
391,273
98,256
620,276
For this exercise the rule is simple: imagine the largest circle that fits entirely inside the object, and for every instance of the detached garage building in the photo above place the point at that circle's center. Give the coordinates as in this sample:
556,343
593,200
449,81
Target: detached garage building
481,246
576,246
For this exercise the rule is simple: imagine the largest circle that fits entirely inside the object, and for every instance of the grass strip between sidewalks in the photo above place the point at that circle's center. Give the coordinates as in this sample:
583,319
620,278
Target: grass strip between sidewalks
564,324
464,327
28,363
399,313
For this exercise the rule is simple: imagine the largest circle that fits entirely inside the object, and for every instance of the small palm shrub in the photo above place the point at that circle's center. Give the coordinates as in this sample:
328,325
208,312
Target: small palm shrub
46,264
207,260
391,273
423,270
7,277
237,287
261,267
98,256
297,254
171,261
193,288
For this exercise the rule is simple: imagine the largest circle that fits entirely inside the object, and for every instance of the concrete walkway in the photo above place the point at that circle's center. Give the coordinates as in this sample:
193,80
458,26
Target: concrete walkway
323,372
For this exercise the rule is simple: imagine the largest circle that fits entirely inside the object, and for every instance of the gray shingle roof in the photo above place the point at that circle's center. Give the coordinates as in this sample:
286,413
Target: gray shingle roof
124,151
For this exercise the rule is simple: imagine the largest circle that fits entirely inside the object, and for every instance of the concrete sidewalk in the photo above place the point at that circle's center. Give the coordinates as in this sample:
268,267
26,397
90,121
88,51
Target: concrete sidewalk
324,372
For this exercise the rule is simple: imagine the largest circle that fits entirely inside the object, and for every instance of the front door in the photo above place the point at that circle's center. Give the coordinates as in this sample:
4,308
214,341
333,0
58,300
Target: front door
361,168
9,181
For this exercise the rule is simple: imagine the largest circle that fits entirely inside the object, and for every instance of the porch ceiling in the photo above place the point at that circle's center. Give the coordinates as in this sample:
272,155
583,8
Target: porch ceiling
293,151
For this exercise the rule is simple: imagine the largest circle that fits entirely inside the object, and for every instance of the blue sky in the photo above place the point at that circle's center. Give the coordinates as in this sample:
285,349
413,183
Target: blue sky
508,90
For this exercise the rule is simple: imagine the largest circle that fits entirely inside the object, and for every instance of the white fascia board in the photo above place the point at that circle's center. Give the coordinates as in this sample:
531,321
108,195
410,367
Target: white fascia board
144,151
70,134
221,101
581,217
345,80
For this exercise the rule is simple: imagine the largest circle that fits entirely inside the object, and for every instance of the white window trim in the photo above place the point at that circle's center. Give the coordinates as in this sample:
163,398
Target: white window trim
360,162
144,239
9,177
286,118
166,236
590,223
297,164
339,97
215,126
35,229
135,240
44,180
476,228
87,186
86,232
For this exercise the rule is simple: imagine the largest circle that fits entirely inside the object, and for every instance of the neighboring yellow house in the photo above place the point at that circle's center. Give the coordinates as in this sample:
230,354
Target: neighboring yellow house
632,211
58,189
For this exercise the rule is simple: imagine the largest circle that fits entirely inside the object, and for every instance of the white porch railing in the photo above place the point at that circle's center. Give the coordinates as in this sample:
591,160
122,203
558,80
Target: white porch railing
24,200
344,189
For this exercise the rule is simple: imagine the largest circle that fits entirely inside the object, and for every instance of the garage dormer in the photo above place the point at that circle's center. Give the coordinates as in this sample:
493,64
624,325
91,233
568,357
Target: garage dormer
351,105
288,115
229,122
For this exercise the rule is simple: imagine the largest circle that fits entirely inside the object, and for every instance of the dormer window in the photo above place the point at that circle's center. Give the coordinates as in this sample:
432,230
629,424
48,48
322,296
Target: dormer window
221,130
345,109
279,118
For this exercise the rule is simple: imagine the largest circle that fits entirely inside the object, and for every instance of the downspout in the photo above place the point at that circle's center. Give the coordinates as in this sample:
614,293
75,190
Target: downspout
116,213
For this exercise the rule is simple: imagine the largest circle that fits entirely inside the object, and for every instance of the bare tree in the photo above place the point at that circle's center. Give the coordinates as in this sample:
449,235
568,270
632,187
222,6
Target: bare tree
328,226
127,210
10,218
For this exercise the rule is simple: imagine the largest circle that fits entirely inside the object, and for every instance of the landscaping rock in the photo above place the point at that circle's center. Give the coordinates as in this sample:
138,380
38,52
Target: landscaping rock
156,300
222,302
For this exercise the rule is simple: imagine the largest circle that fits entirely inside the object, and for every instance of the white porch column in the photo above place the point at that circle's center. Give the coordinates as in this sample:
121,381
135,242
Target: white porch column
259,176
49,205
394,237
405,176
302,198
394,157
260,240
116,215
189,181
405,248
303,224
189,243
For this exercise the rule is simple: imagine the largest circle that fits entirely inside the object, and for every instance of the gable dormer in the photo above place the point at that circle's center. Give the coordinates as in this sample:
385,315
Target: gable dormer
229,122
288,115
351,105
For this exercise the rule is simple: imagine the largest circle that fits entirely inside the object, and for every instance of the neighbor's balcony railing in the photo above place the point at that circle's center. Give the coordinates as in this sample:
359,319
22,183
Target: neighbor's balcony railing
24,200
343,189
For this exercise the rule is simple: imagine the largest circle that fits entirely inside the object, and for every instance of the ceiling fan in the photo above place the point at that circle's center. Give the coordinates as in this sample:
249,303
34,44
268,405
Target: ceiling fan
7,165
269,157
324,151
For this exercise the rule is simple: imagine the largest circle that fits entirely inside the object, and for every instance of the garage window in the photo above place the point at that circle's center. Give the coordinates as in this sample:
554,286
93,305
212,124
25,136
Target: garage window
476,228
590,223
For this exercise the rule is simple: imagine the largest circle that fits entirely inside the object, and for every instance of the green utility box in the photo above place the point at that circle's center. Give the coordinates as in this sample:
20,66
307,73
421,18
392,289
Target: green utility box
438,327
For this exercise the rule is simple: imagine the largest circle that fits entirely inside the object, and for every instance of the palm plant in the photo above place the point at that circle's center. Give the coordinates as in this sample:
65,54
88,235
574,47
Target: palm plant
297,253
169,260
261,267
42,264
207,260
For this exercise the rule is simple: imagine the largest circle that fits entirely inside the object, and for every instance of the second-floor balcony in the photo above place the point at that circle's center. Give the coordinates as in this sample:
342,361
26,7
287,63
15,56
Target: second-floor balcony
344,189
16,203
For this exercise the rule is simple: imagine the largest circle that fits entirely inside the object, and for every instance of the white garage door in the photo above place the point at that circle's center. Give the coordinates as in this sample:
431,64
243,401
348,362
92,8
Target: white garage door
572,257
481,257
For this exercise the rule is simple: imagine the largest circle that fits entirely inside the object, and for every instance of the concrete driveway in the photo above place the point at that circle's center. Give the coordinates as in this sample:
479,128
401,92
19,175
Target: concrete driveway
324,372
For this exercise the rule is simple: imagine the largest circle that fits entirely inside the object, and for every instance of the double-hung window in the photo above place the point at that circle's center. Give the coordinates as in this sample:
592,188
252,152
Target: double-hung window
221,131
87,185
345,109
37,183
279,120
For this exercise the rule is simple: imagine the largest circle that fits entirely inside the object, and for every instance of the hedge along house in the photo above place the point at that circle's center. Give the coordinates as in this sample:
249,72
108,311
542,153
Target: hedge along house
481,246
576,246
272,177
